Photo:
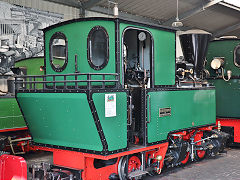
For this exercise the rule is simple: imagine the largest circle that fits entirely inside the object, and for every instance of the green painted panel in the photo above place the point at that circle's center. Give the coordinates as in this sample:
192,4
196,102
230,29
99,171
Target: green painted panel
114,128
10,114
62,119
164,54
223,49
33,68
76,34
227,93
227,97
188,108
32,65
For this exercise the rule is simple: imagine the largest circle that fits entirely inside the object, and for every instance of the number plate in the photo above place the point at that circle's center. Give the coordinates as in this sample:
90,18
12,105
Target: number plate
164,112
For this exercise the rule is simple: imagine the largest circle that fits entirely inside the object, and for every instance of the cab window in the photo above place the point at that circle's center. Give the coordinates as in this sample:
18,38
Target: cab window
237,56
98,52
58,52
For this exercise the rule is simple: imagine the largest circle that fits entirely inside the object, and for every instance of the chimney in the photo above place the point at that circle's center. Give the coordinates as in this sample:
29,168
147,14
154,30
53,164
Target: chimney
194,45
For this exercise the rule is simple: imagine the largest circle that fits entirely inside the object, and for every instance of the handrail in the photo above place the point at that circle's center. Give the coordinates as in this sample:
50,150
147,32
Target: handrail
67,81
72,74
60,81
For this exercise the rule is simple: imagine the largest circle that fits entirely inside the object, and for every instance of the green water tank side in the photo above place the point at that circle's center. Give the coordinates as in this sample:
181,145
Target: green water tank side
115,127
10,114
189,108
62,119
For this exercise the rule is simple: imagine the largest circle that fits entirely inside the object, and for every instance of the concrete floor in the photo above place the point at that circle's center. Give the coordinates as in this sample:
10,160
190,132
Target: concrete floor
223,167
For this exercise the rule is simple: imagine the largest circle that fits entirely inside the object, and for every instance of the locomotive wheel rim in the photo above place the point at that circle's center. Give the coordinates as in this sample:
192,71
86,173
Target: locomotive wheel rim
133,163
121,168
186,159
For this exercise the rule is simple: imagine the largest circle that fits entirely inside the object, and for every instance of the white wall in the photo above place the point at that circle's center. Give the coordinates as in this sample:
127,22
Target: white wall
67,11
96,14
70,13
178,45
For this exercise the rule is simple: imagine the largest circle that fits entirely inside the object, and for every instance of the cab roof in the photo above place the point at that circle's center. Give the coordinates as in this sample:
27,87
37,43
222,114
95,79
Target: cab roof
149,25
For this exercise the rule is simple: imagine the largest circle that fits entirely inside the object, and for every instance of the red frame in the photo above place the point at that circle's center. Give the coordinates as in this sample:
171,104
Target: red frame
235,123
14,129
84,161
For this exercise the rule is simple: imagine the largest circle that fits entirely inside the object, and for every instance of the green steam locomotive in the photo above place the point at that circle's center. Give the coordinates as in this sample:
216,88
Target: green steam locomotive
223,62
14,136
115,104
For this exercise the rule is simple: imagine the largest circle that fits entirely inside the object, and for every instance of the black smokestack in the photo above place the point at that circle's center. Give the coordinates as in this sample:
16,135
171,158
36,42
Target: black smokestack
194,45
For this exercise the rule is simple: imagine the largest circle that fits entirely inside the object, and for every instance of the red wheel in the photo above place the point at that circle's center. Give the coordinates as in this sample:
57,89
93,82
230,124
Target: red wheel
133,163
186,159
200,154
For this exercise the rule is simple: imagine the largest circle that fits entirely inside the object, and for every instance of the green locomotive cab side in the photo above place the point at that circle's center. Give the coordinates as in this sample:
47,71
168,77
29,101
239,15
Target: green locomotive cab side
71,48
83,48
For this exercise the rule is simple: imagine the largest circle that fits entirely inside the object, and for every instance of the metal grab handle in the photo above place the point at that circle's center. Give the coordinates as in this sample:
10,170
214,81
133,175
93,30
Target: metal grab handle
149,108
76,64
130,110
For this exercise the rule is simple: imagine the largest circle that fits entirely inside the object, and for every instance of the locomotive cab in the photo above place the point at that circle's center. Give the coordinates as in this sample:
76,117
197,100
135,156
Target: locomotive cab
137,56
